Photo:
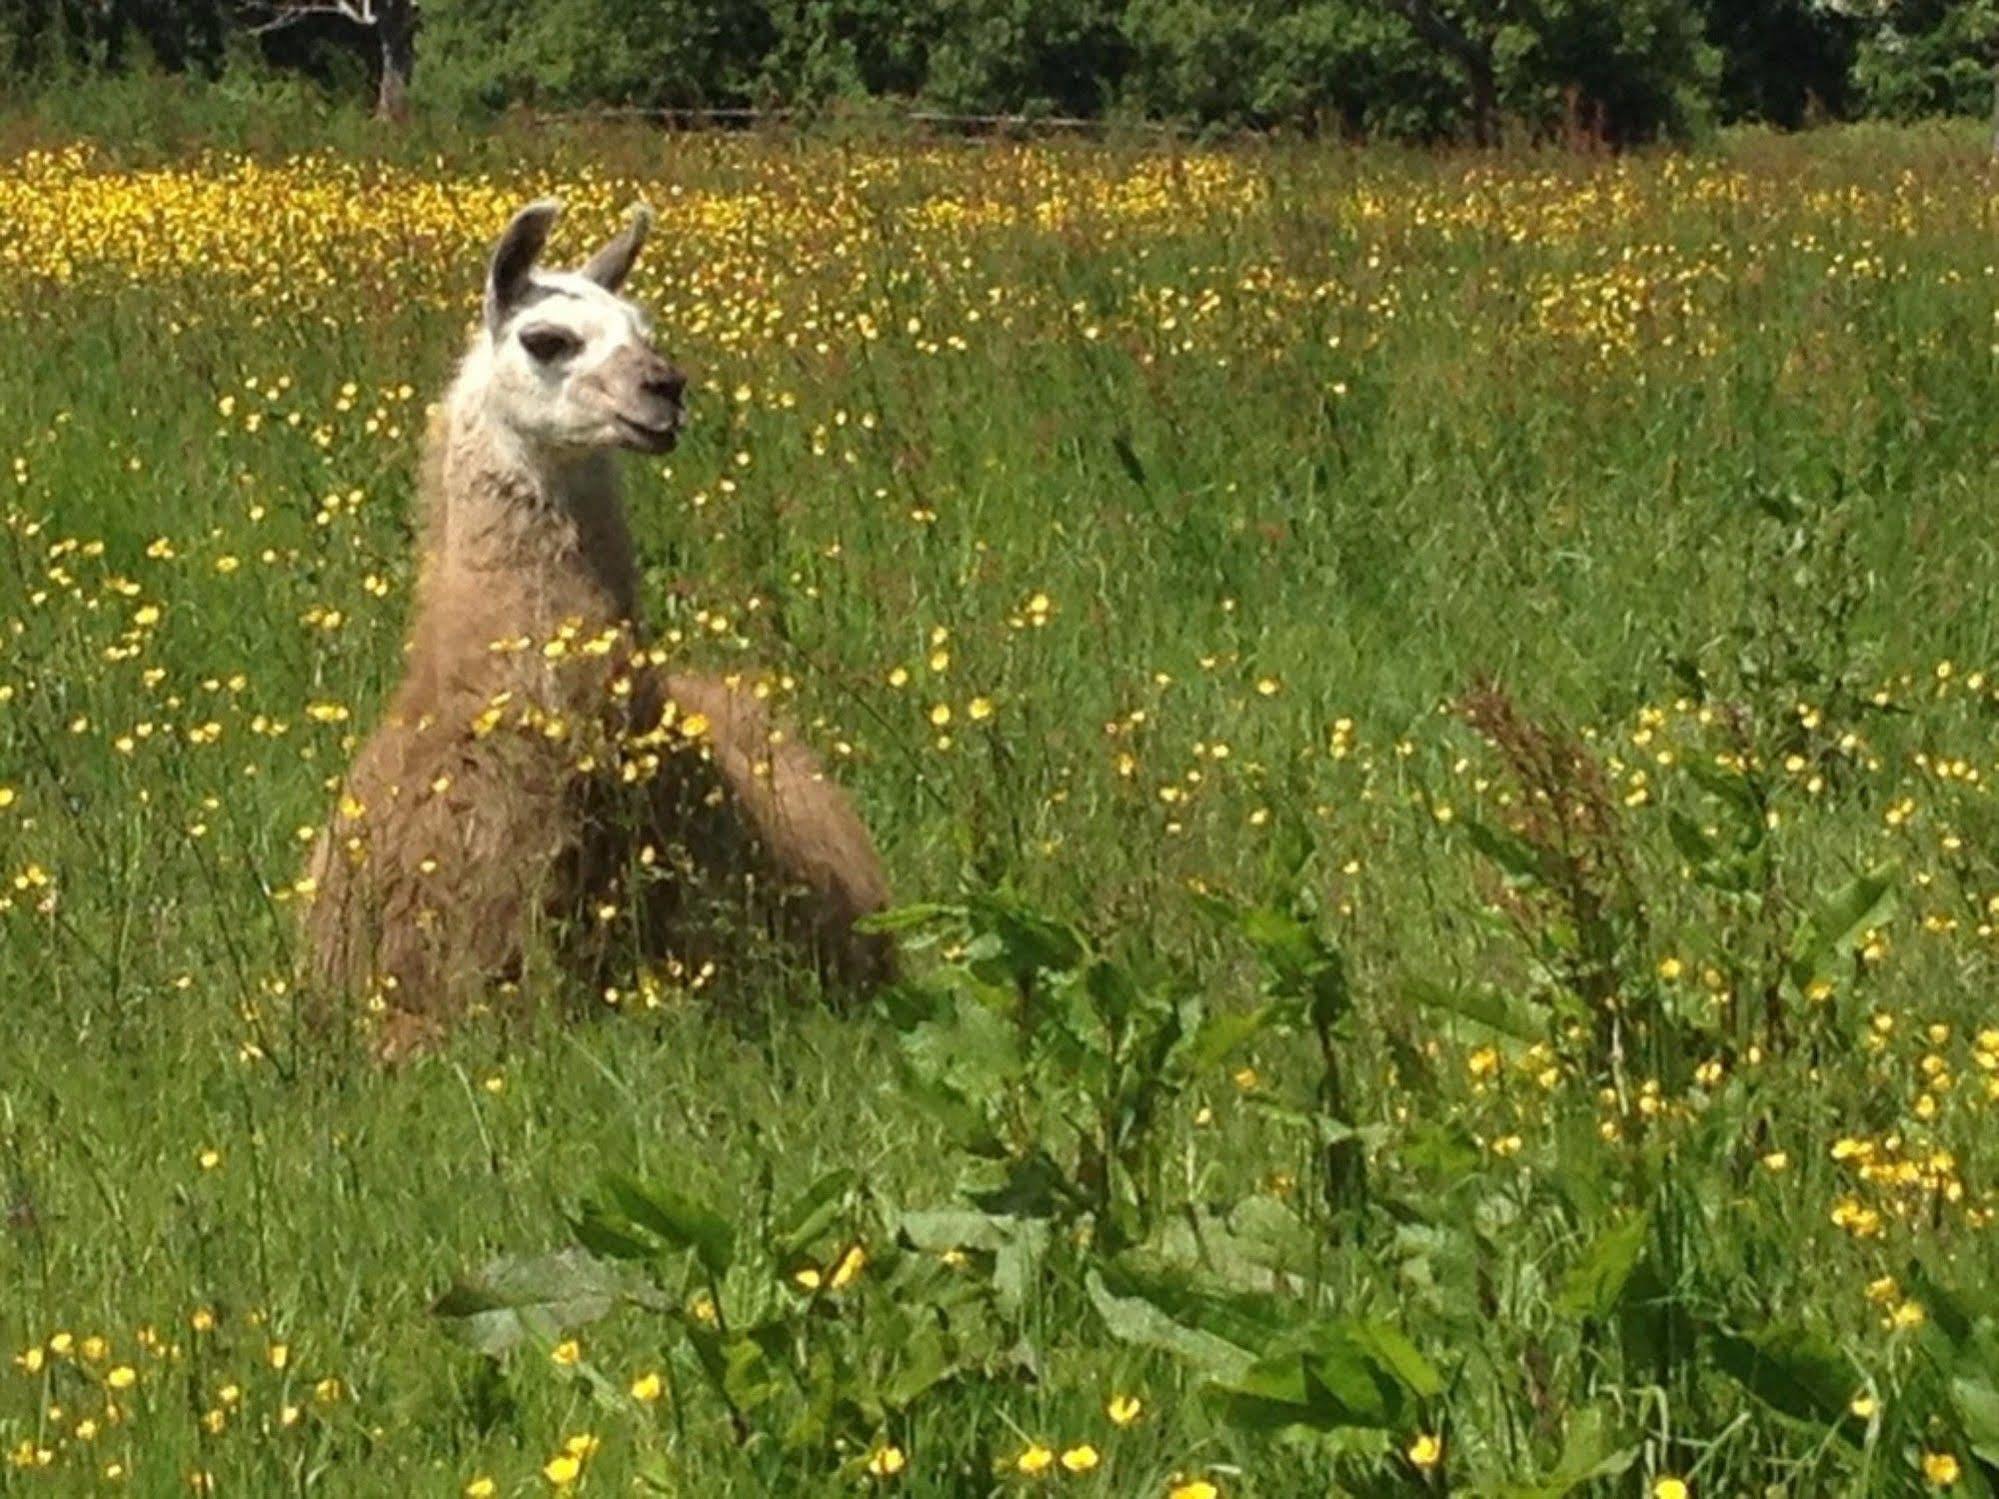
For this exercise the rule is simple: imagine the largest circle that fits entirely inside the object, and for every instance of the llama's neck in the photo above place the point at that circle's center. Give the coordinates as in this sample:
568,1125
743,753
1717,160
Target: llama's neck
518,541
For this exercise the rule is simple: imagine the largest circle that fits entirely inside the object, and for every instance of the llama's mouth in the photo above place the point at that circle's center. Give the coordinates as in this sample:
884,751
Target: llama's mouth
646,437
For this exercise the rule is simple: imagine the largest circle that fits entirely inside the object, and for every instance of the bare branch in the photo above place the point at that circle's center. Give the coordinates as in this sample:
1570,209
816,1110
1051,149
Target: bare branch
1437,29
287,13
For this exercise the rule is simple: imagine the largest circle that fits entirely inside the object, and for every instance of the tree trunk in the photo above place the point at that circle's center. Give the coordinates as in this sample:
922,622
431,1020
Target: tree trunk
1484,83
1472,53
396,23
1995,106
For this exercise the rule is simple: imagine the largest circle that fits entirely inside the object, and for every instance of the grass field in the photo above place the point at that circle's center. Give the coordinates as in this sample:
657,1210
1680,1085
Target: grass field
1442,708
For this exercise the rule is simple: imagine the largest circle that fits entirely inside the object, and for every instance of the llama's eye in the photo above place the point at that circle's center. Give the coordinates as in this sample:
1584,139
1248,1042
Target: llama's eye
549,344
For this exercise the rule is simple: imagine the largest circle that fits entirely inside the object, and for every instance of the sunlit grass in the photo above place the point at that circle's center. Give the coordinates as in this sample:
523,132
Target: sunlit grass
1118,525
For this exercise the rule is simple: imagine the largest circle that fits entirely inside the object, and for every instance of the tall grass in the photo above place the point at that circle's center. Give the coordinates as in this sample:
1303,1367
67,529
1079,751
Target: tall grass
1443,704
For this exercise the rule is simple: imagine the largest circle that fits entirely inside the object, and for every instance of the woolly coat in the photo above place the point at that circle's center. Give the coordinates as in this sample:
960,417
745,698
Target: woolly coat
540,781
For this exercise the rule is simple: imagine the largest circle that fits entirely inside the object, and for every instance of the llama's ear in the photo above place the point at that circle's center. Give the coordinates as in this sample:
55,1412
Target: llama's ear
514,257
610,265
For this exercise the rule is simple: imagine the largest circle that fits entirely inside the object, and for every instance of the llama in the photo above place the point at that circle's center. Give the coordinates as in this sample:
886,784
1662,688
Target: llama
535,764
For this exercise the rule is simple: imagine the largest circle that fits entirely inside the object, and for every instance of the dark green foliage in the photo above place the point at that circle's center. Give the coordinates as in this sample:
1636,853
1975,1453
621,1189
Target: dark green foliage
1337,65
1063,57
1783,61
488,54
1929,57
1624,71
41,38
1618,72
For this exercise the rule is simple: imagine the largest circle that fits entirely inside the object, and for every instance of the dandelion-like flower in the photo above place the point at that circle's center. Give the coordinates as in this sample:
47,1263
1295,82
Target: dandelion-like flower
1035,1460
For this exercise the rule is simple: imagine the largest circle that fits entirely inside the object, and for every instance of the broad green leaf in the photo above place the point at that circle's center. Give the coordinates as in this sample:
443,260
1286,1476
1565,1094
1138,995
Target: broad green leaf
1112,991
707,1345
1365,1374
600,1233
1270,1395
1256,1319
954,1228
1395,1353
1588,1454
1347,1374
973,1051
1843,921
821,1386
1033,1187
675,1217
1031,941
921,1362
1977,1405
1320,1125
1135,1320
1596,1282
748,1375
1281,940
1496,1012
810,1213
1220,1035
514,1299
1350,1389
1017,1266
1793,1371
1269,1234
965,1120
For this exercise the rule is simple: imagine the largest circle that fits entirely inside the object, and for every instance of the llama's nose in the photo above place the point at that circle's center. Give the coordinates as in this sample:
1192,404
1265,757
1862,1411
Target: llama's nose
666,382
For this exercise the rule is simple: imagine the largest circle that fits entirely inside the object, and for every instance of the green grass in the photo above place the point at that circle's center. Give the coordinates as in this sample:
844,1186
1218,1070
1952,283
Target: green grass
1688,455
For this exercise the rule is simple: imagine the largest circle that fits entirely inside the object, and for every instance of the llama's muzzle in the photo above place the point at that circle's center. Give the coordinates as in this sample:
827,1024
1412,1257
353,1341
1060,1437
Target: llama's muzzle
652,415
654,410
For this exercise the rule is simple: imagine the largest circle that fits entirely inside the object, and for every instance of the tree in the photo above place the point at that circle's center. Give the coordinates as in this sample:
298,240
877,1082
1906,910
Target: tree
394,23
1470,40
1782,61
1926,57
1632,69
484,55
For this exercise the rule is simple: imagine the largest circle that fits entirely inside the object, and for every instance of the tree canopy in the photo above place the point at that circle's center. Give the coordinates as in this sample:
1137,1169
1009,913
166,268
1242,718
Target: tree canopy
1618,71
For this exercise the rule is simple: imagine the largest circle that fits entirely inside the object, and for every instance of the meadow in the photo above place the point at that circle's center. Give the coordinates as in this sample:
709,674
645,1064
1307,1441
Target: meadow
1433,715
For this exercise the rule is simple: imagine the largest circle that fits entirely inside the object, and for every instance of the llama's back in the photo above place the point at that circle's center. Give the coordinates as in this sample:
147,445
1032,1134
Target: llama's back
435,866
792,825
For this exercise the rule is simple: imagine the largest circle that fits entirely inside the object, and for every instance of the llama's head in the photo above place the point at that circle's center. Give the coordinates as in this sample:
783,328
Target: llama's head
570,364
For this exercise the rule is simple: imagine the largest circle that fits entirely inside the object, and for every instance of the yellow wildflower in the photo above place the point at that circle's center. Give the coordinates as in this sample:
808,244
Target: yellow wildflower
1940,1468
850,1266
561,1470
1081,1458
1034,1460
